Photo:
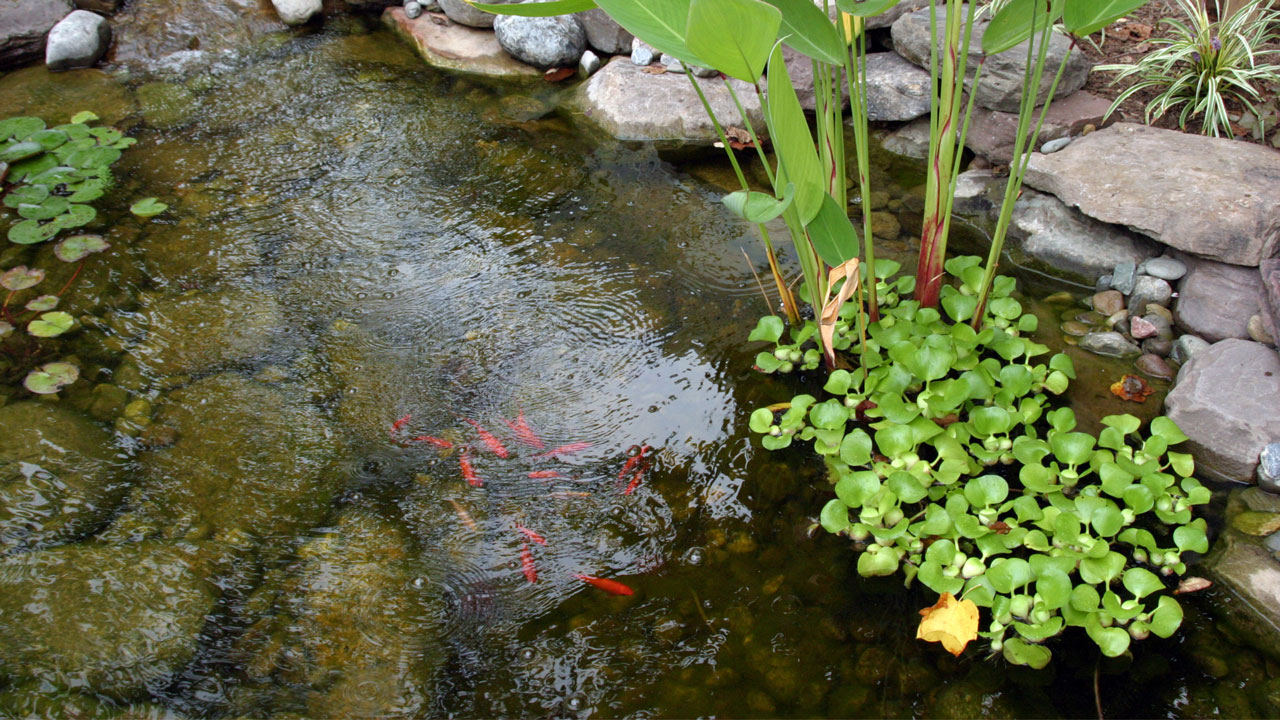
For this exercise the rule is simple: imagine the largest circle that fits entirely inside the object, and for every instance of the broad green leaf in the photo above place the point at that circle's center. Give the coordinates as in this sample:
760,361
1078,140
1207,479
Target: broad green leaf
990,420
547,8
51,324
831,233
1103,569
51,377
733,36
78,247
20,151
660,23
148,207
808,31
855,448
84,116
1013,24
767,362
797,156
1107,521
865,8
769,329
1139,498
1126,424
1085,598
1112,641
932,577
1054,588
30,232
855,488
1114,479
1167,617
1167,429
21,278
19,127
1141,582
931,363
1063,363
1043,631
1057,382
1072,448
879,563
1020,652
758,207
895,440
835,516
26,195
761,420
1085,17
829,415
906,487
1009,574
1191,537
986,490
75,216
960,307
838,382
775,443
43,303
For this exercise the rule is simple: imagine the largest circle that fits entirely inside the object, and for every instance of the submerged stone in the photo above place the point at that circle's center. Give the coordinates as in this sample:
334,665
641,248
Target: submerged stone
58,475
196,332
116,620
1112,344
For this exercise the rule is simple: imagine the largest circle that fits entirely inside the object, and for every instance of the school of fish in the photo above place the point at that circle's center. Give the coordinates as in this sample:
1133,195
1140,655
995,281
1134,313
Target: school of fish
637,465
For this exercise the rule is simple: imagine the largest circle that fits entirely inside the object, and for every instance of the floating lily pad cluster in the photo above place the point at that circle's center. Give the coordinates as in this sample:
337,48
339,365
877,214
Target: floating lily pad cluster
48,177
951,467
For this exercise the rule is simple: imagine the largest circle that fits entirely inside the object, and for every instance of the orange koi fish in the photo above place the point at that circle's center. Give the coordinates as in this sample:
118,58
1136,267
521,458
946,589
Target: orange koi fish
635,455
468,472
494,445
532,535
526,562
613,587
429,440
545,475
524,433
635,479
564,449
398,425
463,515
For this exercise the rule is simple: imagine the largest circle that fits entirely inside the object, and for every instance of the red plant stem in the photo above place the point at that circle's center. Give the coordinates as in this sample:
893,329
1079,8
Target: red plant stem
72,278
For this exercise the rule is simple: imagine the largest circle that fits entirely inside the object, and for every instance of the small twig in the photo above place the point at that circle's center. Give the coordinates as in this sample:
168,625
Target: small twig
72,278
759,284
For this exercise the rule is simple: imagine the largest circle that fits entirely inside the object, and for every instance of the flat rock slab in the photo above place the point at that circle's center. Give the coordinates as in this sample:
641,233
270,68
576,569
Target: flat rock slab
1216,300
163,34
1164,184
992,133
1064,242
1253,578
1225,402
631,104
23,27
457,47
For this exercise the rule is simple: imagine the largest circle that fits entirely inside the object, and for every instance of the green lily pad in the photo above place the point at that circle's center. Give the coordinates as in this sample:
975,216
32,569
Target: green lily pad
26,195
95,156
150,207
51,377
75,216
21,278
43,303
48,139
78,247
20,151
51,324
50,208
20,127
84,116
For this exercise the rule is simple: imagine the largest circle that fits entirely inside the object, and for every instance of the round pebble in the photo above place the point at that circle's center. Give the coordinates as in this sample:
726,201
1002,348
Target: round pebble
1140,328
1155,366
1157,346
1108,302
1075,328
412,10
1157,309
1164,267
1117,318
1258,331
1054,146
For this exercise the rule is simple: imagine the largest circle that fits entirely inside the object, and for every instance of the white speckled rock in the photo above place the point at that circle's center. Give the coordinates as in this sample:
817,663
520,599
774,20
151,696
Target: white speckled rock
77,41
296,12
543,42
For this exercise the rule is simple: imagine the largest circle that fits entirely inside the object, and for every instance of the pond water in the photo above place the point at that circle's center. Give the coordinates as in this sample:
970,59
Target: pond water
355,239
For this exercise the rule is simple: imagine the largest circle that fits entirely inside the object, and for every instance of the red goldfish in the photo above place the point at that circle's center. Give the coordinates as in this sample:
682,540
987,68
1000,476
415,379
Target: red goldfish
398,425
545,475
532,535
526,562
468,472
613,587
429,440
564,449
524,433
494,445
463,515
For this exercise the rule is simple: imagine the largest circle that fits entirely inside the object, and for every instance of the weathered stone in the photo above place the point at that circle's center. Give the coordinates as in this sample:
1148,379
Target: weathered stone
992,133
1187,347
1148,290
604,34
457,47
77,41
1216,300
896,89
1252,604
1270,271
971,197
1108,302
1164,183
1155,366
296,12
1111,344
463,13
248,459
162,35
888,17
643,54
633,105
1269,467
1224,401
1003,73
1258,524
58,475
1054,146
1163,267
1161,310
1257,329
885,225
800,70
910,140
1103,284
1158,346
118,620
543,42
350,634
413,10
1075,328
673,65
588,64
24,24
1140,329
1118,317
1068,244
195,332
1123,276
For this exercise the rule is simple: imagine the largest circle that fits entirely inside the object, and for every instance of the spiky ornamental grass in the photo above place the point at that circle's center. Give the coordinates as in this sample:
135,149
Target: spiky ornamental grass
1206,62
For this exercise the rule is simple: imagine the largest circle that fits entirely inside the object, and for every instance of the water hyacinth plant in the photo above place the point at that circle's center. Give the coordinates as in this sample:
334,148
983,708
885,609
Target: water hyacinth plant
1207,63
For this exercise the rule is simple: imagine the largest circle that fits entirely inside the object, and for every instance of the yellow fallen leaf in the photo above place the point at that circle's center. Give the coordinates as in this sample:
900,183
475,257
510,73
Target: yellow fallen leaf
954,623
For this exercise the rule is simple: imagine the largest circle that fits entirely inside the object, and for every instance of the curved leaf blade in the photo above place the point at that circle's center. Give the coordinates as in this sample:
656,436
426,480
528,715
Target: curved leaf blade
734,36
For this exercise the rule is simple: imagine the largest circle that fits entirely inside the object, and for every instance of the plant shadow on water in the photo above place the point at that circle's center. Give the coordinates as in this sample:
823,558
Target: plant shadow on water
412,244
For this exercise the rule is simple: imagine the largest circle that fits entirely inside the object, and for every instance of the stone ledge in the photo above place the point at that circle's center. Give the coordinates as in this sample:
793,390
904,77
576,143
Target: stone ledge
457,47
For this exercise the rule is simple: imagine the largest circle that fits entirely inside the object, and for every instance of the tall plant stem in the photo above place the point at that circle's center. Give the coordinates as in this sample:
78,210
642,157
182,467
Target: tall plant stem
789,305
856,78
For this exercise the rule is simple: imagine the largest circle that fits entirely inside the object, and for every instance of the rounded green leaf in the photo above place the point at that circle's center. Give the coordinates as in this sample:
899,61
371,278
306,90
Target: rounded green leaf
78,247
990,420
51,324
1124,423
1072,448
895,440
838,382
1167,429
84,116
1103,569
48,139
733,36
1191,537
1020,652
855,488
30,232
19,127
43,303
829,415
855,448
881,562
906,487
1107,521
51,377
1054,588
755,206
761,420
20,151
51,207
26,195
1009,574
75,216
1112,641
835,516
769,329
21,278
986,490
1167,616
150,207
1141,582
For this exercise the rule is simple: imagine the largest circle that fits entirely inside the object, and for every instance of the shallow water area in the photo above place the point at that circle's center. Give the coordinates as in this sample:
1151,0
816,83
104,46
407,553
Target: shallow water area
362,253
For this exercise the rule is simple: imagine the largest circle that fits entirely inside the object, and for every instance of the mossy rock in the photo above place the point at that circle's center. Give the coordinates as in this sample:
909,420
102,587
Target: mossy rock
58,475
346,633
249,460
167,105
116,620
195,332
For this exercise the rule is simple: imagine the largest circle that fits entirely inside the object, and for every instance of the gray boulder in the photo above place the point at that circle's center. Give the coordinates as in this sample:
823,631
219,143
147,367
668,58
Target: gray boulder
115,620
543,42
888,17
1111,344
910,140
296,12
24,25
992,133
463,13
1164,183
1003,73
58,475
1224,401
604,34
1216,300
77,41
456,47
1148,290
896,89
973,192
1187,347
633,105
1064,242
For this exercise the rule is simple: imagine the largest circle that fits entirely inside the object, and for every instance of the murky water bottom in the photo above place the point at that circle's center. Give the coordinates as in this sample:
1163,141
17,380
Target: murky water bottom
355,240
